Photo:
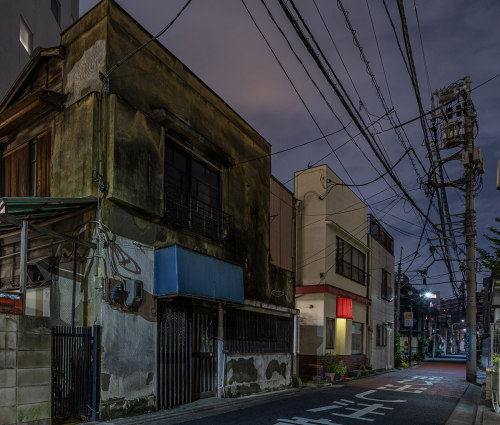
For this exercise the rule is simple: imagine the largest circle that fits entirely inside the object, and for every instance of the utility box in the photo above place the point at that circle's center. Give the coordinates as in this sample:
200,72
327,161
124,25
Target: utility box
133,288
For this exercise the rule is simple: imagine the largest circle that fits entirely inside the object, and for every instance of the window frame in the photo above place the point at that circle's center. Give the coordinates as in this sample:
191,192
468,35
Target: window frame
353,350
384,285
193,192
346,255
381,336
330,339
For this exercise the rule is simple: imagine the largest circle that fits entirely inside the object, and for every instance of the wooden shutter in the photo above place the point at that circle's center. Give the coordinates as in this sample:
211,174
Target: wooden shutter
43,158
15,172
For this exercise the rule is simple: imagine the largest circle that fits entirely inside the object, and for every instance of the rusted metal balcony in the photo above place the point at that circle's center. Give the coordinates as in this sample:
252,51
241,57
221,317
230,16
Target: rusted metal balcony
197,216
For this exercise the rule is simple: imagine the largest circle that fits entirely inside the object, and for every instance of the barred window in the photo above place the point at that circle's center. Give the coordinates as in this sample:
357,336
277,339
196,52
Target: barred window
192,194
252,332
381,336
350,262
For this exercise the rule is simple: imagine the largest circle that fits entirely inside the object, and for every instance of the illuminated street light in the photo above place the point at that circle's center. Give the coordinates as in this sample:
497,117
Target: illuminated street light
428,295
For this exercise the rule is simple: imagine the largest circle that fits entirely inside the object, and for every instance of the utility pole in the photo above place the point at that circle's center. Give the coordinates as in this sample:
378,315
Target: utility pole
398,293
457,117
470,231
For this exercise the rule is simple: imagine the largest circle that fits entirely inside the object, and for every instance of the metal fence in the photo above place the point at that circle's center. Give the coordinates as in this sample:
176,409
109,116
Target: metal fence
74,371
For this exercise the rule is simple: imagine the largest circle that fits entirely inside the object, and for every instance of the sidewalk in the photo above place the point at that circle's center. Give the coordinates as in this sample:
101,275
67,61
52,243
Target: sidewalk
472,408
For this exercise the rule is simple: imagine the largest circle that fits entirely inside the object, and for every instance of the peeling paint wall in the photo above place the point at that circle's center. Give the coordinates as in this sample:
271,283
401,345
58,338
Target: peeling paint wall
128,357
256,373
81,78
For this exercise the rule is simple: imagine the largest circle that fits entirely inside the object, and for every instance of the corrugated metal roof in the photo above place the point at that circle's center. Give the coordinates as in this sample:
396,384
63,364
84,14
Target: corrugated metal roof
39,210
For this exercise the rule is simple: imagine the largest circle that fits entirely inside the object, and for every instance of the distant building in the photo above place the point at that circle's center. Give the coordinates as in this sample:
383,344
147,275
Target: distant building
332,289
25,25
381,284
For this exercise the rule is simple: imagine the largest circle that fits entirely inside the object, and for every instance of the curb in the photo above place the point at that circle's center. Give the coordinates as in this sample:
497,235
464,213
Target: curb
467,410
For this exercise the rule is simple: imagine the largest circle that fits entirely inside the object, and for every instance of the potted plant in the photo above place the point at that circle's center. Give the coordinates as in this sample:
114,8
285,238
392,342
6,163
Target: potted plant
333,368
364,370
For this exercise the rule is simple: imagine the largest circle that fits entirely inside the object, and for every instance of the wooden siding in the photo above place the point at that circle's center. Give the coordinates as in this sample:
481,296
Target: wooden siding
16,169
282,226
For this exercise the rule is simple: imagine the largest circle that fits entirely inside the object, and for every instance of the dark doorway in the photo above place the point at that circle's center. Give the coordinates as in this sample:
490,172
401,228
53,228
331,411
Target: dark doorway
186,353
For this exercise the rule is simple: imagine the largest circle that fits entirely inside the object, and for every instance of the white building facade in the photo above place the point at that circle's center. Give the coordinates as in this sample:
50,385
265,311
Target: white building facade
381,313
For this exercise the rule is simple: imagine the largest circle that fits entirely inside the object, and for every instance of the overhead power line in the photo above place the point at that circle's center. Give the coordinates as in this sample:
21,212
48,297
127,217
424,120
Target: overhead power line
361,128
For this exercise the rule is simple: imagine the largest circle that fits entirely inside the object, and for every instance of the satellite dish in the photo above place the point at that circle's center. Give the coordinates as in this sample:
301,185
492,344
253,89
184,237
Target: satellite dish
410,292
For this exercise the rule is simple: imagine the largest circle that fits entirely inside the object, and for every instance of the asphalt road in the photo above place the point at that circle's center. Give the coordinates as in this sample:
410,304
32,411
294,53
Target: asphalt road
426,395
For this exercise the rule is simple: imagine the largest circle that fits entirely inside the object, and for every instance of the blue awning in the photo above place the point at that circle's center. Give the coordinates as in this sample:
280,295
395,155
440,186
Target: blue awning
179,271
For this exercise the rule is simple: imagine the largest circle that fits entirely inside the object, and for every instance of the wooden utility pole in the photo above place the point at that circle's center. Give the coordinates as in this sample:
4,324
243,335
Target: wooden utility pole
470,232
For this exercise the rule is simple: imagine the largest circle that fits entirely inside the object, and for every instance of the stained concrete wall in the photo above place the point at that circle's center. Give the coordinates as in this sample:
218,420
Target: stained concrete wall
25,370
312,318
129,338
193,111
256,373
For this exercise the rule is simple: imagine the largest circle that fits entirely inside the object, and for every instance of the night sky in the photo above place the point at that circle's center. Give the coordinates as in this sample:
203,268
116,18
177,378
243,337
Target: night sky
219,42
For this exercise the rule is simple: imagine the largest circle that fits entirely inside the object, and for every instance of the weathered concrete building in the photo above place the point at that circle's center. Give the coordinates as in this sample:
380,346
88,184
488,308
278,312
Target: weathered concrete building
332,291
381,284
128,204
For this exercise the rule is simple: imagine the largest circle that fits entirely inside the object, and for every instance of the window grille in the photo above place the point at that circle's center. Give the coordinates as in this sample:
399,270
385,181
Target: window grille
252,332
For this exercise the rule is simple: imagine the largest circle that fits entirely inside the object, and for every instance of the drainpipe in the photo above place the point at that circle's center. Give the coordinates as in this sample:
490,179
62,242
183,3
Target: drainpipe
296,335
74,288
221,356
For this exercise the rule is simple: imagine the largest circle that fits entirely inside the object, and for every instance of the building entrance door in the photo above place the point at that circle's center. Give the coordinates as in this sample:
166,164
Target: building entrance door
186,353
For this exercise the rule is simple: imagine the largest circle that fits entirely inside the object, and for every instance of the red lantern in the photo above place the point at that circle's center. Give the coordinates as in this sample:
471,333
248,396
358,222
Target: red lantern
344,308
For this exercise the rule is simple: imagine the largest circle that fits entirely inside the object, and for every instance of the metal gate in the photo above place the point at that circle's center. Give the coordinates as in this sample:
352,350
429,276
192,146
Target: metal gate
186,354
74,373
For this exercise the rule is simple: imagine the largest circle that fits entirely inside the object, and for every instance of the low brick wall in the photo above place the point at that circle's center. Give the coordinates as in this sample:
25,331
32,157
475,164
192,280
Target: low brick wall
25,370
312,365
353,361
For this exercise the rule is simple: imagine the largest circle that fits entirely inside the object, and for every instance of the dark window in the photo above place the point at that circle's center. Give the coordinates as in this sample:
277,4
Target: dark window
350,262
381,336
385,290
330,333
252,332
55,6
380,235
26,169
357,338
192,194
